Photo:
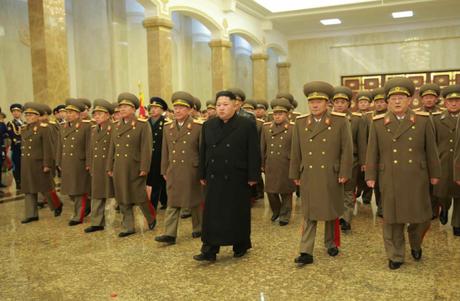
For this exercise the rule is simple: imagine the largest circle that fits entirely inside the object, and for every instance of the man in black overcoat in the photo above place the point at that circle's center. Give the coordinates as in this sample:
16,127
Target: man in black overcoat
229,165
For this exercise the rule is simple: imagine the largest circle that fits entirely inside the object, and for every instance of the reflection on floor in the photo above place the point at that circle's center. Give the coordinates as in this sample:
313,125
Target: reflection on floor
47,260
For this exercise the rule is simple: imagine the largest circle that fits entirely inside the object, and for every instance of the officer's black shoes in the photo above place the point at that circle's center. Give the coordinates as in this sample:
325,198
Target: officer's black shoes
41,205
417,255
303,259
94,229
163,207
205,257
333,251
239,254
344,225
456,231
283,223
196,234
274,217
380,214
58,211
169,240
186,215
152,224
125,233
74,223
29,220
394,265
444,216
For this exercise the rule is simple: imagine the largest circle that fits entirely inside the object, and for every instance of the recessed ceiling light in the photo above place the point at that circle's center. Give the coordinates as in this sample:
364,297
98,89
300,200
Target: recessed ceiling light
331,21
402,14
277,6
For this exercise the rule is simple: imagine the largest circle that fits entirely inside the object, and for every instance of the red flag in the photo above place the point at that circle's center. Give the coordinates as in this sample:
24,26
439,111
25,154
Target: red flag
142,111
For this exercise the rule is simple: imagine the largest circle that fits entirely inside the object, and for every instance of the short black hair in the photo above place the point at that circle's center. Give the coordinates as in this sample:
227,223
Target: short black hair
226,93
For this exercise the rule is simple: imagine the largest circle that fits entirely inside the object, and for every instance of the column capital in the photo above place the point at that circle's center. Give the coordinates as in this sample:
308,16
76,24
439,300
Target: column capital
259,56
155,22
283,65
220,43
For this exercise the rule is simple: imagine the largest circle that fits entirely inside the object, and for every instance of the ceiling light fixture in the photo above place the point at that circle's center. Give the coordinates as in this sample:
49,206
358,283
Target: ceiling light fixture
331,21
402,14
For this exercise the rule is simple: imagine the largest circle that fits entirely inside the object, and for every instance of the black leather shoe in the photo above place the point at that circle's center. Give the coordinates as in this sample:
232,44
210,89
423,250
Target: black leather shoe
239,254
283,223
125,233
417,255
58,211
274,217
169,240
345,226
341,221
196,234
444,216
187,215
456,231
303,259
205,257
74,223
163,207
29,220
333,251
394,265
153,224
94,229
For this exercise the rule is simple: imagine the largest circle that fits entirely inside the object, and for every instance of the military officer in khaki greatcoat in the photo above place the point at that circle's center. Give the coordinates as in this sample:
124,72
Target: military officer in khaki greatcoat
101,183
179,166
128,163
321,163
341,104
37,162
72,158
403,156
446,136
275,144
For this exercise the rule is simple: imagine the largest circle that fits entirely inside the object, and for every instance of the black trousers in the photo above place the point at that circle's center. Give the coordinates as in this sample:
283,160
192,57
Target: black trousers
214,249
16,158
159,193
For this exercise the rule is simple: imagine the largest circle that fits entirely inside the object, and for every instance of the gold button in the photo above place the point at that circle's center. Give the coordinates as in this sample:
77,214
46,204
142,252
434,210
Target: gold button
63,154
388,130
311,166
30,147
410,161
73,138
322,166
273,137
323,153
310,153
410,138
71,154
410,149
127,145
395,161
324,139
103,156
95,156
310,140
28,155
126,155
185,142
182,161
71,145
95,148
278,153
280,145
271,152
451,150
118,155
395,150
174,151
272,144
394,140
183,152
118,144
128,136
281,137
451,140
174,161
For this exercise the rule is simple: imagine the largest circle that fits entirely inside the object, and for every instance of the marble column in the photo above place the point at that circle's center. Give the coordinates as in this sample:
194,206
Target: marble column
221,65
259,75
48,44
283,76
159,54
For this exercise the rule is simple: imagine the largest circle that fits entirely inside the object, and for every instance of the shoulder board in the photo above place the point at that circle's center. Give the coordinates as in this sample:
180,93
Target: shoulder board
357,114
292,123
270,113
261,120
141,119
267,123
52,122
44,125
86,121
302,116
168,122
94,125
24,125
338,114
377,117
417,109
436,113
369,113
198,121
116,121
442,109
420,113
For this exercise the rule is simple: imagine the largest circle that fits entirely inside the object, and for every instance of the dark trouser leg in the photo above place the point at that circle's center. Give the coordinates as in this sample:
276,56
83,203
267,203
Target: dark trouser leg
16,158
434,203
163,195
260,188
275,203
159,193
378,199
31,209
209,249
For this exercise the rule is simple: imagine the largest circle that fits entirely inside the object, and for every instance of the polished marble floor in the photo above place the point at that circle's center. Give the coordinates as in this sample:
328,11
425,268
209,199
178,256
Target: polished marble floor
47,260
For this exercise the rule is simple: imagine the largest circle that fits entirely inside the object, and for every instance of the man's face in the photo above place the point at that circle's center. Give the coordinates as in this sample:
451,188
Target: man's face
380,105
280,117
181,112
84,114
116,116
317,106
452,105
226,107
16,114
363,105
341,105
238,103
72,115
43,118
429,101
260,112
155,112
126,111
211,112
399,103
32,118
101,117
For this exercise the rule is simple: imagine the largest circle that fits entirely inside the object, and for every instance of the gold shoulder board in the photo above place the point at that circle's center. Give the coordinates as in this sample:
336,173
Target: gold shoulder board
168,122
44,125
261,120
141,119
377,117
267,123
198,121
435,113
338,114
292,123
86,121
357,114
52,122
420,113
302,116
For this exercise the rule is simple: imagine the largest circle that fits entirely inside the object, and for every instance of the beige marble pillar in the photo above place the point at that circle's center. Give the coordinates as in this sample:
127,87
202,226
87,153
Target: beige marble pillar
159,54
259,75
48,44
221,65
283,76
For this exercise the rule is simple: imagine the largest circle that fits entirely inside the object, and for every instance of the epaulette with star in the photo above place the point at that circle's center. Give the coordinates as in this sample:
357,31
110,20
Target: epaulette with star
86,121
261,120
292,123
338,114
379,116
421,113
357,114
302,116
267,123
52,122
437,113
198,121
44,125
142,119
